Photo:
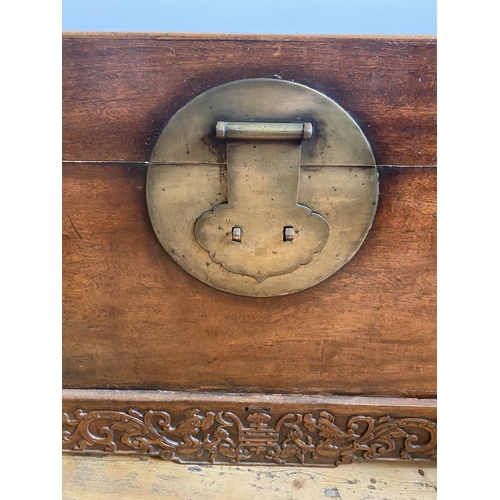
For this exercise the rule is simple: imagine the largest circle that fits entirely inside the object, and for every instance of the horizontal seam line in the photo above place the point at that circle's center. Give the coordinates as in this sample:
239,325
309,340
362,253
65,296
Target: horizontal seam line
138,162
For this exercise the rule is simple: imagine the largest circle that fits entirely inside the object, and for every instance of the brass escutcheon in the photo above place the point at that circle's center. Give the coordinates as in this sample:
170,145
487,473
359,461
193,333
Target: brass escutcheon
262,187
263,165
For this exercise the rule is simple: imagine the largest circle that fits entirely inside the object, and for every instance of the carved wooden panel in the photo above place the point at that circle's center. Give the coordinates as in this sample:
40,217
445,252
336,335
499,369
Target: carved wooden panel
233,429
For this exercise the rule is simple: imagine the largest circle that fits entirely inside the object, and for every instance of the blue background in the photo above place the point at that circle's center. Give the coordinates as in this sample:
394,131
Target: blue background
253,16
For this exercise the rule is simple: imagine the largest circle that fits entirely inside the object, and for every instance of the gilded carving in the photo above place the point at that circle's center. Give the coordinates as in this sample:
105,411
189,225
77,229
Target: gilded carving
224,437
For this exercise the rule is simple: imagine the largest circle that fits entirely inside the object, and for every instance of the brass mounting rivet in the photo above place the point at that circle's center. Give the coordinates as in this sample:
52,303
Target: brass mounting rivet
288,233
236,234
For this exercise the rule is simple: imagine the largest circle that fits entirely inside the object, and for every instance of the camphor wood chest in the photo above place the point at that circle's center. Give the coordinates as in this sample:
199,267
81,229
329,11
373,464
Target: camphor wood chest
157,362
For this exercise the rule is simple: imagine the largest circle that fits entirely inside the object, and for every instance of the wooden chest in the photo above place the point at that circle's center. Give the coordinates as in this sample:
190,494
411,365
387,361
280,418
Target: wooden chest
156,362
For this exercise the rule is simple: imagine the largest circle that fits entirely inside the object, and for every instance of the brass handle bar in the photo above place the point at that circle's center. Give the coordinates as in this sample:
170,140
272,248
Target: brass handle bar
264,131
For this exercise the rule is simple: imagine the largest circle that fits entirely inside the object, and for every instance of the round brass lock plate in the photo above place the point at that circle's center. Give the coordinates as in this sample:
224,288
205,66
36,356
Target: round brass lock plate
262,187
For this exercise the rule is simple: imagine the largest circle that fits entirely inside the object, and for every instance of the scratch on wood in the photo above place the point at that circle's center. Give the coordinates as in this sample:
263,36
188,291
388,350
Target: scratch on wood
74,228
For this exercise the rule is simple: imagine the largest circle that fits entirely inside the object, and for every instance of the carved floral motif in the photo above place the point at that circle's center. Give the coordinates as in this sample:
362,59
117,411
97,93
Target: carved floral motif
223,437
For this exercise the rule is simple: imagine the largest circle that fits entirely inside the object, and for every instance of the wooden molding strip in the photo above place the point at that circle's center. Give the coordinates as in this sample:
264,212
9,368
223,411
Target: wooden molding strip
226,428
117,35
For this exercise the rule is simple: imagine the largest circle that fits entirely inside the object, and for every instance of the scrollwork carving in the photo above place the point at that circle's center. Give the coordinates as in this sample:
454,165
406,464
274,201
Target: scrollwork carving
224,437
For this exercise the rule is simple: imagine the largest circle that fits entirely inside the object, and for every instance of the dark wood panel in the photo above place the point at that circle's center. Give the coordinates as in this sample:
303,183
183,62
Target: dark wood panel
134,319
118,91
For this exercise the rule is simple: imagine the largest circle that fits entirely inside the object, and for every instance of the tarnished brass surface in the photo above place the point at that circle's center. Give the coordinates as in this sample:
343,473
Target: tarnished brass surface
222,214
262,190
264,131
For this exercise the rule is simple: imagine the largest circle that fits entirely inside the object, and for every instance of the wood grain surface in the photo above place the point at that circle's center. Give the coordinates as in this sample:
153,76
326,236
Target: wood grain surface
124,478
119,90
134,319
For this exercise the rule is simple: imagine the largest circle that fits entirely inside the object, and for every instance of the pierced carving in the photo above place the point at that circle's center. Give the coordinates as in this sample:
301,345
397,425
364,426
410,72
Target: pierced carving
222,437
